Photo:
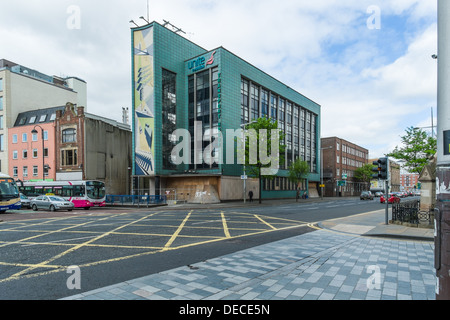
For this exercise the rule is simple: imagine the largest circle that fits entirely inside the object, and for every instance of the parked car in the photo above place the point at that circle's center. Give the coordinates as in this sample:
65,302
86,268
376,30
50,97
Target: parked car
51,203
26,203
366,195
392,199
378,194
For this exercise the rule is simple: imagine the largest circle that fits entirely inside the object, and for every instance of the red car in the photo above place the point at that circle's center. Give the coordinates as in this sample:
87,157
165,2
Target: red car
392,199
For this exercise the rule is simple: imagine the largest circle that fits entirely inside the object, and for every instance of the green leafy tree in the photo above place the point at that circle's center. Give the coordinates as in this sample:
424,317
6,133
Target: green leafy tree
298,172
416,150
262,132
364,174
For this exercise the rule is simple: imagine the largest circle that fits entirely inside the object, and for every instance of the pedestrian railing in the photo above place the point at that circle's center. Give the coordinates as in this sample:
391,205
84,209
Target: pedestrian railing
135,200
409,212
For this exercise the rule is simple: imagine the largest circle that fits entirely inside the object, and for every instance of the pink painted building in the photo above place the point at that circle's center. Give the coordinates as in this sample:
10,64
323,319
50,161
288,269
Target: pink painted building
27,157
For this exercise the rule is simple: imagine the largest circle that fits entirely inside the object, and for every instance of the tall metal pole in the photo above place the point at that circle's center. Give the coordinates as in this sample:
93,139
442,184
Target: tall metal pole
442,217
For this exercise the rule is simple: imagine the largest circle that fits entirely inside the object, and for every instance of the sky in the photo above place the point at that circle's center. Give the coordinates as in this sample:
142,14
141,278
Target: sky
367,63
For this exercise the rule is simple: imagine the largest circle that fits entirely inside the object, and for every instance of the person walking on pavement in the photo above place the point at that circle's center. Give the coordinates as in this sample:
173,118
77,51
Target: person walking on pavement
250,194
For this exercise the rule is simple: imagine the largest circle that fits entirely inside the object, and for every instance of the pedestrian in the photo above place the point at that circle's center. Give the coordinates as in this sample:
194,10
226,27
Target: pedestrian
250,194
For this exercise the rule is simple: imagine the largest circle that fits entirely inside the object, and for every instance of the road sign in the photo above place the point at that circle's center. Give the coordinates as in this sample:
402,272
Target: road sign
322,186
244,177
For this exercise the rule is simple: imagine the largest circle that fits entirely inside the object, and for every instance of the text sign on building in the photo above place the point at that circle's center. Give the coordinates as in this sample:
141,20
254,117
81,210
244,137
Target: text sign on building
202,62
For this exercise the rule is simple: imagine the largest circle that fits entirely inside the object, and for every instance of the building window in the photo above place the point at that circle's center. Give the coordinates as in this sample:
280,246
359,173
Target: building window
2,142
69,157
169,112
24,154
34,137
254,102
14,138
15,172
1,103
45,135
24,137
244,101
35,171
15,155
1,122
46,152
25,171
1,84
35,153
69,135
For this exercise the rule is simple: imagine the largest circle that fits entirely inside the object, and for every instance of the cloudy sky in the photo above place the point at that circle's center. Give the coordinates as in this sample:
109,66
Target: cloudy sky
367,63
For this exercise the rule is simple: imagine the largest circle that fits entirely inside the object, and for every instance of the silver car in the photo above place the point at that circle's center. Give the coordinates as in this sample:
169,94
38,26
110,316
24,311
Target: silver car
26,203
51,203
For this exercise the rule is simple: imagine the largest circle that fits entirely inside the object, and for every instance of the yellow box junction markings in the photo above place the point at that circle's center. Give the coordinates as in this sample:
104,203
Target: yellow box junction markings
267,221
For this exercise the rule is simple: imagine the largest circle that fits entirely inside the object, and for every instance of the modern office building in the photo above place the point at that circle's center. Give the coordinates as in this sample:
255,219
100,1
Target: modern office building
23,89
179,86
340,160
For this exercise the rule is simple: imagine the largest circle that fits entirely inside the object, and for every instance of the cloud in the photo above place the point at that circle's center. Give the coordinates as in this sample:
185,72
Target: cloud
322,48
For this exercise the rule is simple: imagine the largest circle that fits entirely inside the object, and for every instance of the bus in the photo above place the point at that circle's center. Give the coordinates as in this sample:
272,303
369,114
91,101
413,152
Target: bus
83,194
9,194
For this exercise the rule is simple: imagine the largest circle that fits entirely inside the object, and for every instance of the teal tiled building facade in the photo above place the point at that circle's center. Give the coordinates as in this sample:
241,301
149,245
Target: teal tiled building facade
179,85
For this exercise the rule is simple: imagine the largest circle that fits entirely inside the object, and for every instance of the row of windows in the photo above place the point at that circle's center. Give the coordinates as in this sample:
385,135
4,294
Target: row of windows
32,120
25,171
69,157
25,154
350,162
281,184
298,124
68,136
34,137
352,151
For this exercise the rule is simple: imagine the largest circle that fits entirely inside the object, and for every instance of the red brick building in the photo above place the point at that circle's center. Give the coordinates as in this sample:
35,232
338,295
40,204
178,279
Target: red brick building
340,160
408,181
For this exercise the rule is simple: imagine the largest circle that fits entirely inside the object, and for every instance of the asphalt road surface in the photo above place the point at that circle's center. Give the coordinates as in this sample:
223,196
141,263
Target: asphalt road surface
38,250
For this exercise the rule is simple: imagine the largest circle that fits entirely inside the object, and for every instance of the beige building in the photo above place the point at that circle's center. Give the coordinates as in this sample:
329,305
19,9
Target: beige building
23,89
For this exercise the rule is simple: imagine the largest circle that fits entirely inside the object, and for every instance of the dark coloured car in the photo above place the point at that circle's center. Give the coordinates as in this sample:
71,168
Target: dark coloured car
366,195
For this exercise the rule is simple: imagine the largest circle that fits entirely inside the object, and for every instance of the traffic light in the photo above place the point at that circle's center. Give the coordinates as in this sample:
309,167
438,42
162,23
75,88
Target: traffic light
381,169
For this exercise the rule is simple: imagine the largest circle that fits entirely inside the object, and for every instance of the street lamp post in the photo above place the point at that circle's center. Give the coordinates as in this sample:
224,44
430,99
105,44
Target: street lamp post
244,125
43,156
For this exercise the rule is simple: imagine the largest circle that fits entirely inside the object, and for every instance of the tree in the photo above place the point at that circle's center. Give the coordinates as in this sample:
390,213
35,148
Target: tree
298,171
260,136
364,173
417,149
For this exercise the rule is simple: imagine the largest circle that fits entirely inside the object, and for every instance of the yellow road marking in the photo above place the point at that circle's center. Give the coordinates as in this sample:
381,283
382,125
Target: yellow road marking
48,233
266,223
175,235
225,227
18,274
168,246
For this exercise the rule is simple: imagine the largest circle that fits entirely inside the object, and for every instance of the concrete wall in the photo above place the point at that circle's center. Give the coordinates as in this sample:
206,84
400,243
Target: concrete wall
108,155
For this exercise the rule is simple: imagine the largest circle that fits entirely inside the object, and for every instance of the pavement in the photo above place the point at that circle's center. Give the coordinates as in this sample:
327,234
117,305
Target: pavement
353,258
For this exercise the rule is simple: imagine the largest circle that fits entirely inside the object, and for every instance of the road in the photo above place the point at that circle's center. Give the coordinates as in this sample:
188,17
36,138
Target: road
115,245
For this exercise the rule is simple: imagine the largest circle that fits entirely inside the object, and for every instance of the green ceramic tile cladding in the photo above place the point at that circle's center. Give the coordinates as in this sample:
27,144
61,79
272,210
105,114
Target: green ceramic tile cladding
177,54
